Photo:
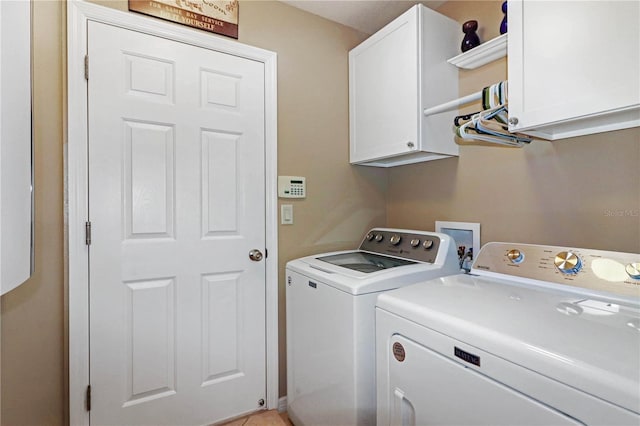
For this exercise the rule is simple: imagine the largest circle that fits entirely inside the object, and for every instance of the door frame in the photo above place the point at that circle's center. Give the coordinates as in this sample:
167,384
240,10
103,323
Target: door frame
77,185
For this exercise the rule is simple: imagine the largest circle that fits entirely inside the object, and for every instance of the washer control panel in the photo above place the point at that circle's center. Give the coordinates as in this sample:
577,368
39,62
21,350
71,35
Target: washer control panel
592,269
419,246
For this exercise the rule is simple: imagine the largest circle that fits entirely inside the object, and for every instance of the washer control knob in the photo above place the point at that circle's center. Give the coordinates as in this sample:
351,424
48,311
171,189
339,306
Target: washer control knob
395,239
515,256
568,262
415,242
369,236
427,244
379,238
633,269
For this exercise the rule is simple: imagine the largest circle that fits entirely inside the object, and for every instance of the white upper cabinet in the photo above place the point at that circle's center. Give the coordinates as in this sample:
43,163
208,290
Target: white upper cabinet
15,144
393,76
574,67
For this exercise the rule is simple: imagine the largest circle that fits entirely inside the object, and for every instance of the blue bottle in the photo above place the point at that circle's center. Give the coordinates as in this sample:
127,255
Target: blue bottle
503,24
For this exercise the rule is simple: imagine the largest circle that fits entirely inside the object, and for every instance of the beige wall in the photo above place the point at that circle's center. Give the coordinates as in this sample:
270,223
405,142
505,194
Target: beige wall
342,201
313,136
566,193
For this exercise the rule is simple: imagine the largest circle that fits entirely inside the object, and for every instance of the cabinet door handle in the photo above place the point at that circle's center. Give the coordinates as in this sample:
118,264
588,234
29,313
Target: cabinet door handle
410,145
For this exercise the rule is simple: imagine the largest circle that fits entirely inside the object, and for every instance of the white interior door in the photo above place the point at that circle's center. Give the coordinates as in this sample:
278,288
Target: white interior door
176,202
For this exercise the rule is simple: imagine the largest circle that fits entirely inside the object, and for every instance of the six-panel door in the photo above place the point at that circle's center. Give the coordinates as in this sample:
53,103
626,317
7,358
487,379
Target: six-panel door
176,190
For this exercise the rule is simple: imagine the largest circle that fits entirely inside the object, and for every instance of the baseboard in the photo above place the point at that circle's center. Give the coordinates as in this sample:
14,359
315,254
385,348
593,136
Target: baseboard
282,404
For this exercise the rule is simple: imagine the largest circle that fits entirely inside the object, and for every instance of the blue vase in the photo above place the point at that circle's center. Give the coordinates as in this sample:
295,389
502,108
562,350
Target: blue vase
503,24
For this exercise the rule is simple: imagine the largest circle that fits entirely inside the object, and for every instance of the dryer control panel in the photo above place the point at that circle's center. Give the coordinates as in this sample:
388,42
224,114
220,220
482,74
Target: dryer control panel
598,270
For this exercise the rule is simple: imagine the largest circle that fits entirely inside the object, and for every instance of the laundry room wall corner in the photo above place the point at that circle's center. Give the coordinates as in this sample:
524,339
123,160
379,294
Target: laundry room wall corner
342,201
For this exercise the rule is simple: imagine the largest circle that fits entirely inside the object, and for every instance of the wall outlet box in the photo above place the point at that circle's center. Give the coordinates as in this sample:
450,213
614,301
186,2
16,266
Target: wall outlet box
467,238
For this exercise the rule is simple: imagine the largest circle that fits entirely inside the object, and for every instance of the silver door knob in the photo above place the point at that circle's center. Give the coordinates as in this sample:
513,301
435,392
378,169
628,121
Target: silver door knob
255,255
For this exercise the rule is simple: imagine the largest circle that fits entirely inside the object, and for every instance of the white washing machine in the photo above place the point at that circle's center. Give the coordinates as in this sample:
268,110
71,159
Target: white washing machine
330,320
537,335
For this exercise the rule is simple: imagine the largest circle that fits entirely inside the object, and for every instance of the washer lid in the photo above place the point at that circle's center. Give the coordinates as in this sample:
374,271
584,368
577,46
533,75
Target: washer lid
589,344
364,262
358,282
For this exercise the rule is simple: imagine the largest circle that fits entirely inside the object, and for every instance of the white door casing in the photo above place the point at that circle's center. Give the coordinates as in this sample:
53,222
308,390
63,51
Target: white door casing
163,286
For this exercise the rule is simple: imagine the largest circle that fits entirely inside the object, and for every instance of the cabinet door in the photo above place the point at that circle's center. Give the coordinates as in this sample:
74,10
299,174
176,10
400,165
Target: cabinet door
573,66
383,92
16,224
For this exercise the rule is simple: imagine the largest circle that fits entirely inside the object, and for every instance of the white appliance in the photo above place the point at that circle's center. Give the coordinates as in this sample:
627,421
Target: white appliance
330,320
537,335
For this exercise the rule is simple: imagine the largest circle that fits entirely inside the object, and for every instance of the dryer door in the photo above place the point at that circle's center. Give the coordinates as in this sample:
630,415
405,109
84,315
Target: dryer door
428,388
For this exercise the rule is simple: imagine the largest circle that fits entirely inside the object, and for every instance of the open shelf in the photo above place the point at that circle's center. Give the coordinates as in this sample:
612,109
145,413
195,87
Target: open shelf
489,51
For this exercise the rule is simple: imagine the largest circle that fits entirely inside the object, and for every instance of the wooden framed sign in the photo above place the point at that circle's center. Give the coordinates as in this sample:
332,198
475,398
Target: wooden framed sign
216,16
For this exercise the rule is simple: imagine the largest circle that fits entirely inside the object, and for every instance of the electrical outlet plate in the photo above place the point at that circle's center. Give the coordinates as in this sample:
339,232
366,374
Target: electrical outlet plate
465,234
286,214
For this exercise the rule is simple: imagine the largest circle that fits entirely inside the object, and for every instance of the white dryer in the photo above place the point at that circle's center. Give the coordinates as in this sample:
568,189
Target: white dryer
330,320
536,335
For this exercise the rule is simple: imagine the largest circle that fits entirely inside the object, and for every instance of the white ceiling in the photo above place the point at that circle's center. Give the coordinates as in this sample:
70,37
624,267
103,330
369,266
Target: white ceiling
367,16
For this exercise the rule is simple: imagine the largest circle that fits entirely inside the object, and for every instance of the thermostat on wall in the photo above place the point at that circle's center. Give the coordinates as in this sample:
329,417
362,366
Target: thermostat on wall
292,187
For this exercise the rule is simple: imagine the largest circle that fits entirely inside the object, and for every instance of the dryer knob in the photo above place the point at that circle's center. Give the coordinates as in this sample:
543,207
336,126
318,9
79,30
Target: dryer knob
415,242
395,239
427,244
379,237
568,262
369,236
633,269
515,256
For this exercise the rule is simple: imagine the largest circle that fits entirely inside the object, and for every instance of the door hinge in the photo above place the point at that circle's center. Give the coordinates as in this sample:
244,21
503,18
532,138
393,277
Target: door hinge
87,229
87,400
86,67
